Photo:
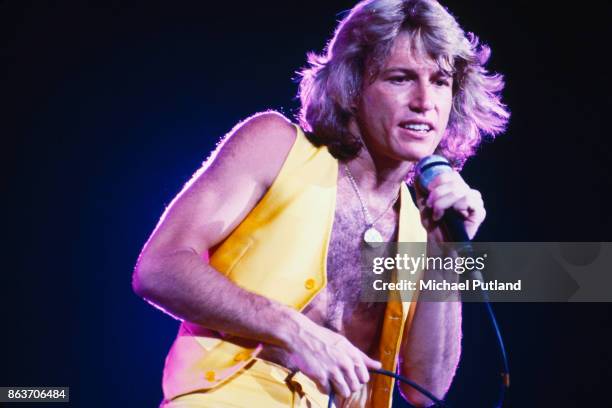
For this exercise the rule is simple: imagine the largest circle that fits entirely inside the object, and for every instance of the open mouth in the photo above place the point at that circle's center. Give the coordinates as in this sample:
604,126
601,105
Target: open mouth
415,128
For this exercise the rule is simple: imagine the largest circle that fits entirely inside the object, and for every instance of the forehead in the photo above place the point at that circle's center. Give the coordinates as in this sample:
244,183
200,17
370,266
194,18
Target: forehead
405,54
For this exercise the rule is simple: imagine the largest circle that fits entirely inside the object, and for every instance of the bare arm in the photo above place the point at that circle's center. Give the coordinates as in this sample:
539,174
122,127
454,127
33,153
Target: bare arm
431,346
172,272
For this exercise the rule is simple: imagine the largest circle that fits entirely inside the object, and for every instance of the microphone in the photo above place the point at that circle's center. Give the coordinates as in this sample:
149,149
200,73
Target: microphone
427,169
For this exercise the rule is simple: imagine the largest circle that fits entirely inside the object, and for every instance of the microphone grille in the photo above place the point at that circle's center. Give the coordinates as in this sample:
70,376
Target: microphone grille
428,168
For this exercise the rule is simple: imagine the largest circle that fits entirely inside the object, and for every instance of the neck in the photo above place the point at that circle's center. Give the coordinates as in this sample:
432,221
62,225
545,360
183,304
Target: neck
380,176
374,173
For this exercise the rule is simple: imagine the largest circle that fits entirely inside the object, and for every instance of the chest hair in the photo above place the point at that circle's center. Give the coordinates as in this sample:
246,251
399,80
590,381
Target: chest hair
344,259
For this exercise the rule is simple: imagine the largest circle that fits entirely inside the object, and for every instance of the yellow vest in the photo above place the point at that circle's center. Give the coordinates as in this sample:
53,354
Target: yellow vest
280,251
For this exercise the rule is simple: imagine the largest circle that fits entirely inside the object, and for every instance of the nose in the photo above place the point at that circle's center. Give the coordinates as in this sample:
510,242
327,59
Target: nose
422,98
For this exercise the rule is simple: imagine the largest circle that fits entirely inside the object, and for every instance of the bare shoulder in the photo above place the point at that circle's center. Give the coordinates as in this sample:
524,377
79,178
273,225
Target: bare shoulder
261,144
227,187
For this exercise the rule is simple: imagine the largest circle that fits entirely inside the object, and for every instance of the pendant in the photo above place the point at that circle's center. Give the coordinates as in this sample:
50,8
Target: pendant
372,237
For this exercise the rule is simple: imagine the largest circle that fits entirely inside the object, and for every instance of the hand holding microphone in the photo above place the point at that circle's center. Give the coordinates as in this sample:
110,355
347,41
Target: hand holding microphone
450,209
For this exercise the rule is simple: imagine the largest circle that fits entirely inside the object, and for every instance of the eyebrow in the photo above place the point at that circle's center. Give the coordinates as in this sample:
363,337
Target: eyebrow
411,71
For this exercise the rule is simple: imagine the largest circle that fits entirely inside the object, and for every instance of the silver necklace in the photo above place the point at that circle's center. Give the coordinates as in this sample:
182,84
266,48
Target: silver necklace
371,236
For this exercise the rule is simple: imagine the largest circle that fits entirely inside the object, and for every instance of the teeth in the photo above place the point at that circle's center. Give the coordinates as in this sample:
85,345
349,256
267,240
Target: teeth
419,127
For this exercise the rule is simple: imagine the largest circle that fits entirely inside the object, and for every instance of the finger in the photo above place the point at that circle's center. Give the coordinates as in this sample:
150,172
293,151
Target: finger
320,378
439,191
339,384
472,199
370,362
323,385
445,183
443,178
441,204
362,371
350,376
471,207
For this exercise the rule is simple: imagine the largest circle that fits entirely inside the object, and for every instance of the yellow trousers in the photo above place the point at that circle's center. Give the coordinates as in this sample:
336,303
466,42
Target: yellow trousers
266,385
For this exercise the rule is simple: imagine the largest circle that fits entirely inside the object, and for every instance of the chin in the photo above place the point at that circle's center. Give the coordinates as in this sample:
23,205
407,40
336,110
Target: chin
413,151
414,155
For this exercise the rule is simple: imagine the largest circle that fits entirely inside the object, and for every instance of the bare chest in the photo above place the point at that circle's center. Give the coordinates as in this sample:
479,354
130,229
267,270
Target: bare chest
338,306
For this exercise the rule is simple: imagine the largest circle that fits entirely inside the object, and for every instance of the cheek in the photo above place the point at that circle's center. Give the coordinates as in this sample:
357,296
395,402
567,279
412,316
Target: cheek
444,108
374,109
446,105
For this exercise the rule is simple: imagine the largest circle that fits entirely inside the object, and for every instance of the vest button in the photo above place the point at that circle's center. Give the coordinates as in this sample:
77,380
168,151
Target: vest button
309,284
210,376
243,355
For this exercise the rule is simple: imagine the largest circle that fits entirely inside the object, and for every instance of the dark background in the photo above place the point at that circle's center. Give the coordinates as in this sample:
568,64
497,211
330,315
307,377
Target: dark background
110,107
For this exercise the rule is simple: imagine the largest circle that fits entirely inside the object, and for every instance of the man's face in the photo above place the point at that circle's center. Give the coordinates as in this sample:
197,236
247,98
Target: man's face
403,113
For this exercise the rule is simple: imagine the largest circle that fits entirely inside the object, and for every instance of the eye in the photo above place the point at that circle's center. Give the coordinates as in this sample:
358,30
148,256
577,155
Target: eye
398,79
442,82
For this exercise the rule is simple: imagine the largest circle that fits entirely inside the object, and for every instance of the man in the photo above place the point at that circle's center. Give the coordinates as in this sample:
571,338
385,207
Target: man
259,253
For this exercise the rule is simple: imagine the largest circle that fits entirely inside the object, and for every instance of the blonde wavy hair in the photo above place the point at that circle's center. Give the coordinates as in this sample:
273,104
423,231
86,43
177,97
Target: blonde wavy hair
332,82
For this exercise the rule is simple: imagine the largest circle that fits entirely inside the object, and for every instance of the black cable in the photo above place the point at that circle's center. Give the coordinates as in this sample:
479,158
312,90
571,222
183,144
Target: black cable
484,298
502,349
440,403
